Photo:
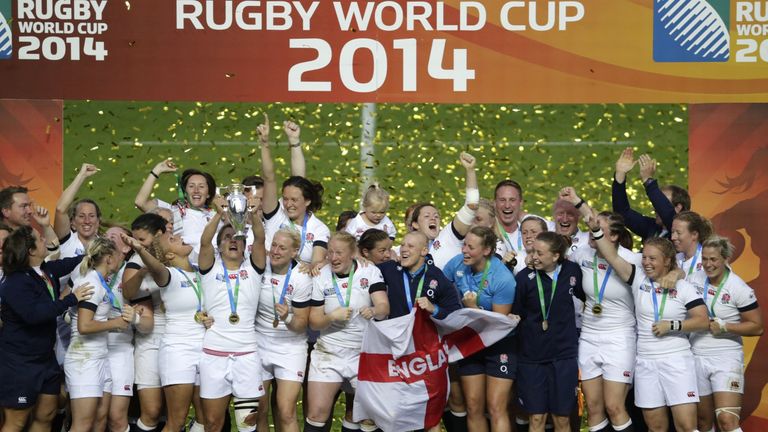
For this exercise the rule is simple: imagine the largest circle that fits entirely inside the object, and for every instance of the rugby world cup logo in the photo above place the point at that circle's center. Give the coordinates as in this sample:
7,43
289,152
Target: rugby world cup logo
6,39
691,30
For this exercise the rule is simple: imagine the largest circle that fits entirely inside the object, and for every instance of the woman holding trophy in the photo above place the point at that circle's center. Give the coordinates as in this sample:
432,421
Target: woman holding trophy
230,363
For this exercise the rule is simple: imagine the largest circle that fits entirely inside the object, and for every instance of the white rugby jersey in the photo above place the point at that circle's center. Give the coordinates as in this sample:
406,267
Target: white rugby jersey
149,289
91,345
511,242
357,226
124,337
180,307
298,293
223,335
70,247
679,300
447,245
316,234
189,223
735,297
618,306
691,265
347,334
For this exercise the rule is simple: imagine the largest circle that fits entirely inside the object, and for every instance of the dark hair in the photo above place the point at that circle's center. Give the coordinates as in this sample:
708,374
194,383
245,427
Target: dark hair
312,191
487,237
221,232
533,218
510,183
16,249
558,243
696,223
72,211
370,237
150,222
408,218
6,196
617,227
680,196
185,176
253,180
4,227
666,247
417,211
344,217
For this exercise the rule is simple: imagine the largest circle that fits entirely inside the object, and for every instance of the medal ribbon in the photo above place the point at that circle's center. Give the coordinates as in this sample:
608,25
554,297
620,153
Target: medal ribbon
407,286
49,285
232,297
285,289
113,300
303,231
717,293
658,313
508,241
599,294
546,310
195,287
349,287
695,258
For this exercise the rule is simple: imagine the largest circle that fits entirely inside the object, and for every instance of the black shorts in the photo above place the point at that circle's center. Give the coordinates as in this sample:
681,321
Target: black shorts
498,360
548,387
23,379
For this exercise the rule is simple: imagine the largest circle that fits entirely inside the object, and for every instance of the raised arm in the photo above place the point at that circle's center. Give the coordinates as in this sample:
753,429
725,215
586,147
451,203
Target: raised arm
206,258
269,203
143,200
293,132
568,193
61,222
43,219
624,164
156,269
466,215
608,250
258,249
663,206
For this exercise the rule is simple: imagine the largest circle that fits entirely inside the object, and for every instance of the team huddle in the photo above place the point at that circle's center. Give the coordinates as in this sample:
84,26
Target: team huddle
187,310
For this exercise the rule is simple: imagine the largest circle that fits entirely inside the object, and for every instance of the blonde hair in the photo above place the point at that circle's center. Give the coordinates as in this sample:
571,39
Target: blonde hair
722,244
488,205
98,250
375,195
292,234
345,237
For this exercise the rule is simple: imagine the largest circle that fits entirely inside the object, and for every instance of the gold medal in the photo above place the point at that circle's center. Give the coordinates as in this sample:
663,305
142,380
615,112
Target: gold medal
545,325
597,309
275,322
199,315
234,318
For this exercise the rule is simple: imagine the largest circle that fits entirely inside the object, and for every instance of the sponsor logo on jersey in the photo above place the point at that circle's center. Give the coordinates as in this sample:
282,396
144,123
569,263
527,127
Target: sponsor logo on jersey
691,30
573,281
735,385
127,387
460,273
22,399
691,394
627,374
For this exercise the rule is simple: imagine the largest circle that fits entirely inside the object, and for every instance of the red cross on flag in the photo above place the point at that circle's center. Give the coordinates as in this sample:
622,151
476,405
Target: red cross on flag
403,370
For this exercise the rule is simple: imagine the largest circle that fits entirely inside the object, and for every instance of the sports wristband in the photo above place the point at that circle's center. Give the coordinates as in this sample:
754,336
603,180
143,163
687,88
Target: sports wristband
721,324
597,235
676,325
289,319
580,203
152,173
473,196
436,311
136,319
298,144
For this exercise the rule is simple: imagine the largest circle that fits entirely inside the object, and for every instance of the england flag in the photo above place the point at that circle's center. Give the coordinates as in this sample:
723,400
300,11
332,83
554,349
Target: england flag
403,372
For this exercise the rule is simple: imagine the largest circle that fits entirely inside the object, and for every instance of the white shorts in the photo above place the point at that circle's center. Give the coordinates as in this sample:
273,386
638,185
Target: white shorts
87,378
334,365
237,375
666,381
284,361
146,361
610,355
722,372
180,362
120,360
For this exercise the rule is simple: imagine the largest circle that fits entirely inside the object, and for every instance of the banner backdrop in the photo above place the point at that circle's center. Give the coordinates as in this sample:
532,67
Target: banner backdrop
540,51
727,182
31,148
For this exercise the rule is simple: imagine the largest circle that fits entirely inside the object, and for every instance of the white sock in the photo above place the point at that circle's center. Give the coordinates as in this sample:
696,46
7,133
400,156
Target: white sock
620,428
599,426
738,429
197,427
315,423
349,425
459,414
140,424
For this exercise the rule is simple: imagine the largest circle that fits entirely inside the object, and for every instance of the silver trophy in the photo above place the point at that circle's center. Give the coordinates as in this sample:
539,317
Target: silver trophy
238,209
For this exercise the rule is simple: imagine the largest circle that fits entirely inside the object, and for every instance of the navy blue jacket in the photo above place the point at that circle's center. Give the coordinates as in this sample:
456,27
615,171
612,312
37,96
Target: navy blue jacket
560,341
436,288
29,314
644,226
